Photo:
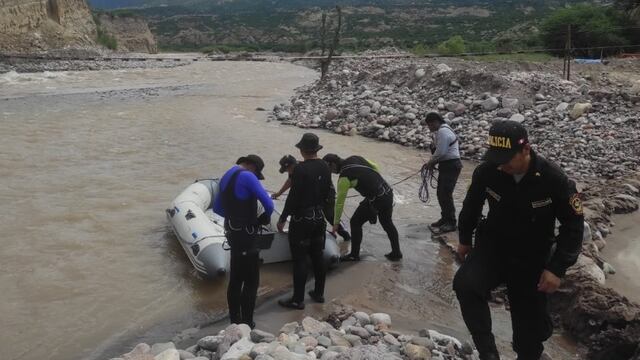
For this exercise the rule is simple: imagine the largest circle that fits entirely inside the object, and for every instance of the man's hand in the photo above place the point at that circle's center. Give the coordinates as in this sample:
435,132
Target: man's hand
462,251
431,164
549,282
275,196
281,226
334,230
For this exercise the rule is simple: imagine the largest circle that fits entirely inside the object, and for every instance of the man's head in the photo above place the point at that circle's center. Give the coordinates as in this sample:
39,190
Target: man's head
434,121
509,147
334,161
287,163
309,145
252,163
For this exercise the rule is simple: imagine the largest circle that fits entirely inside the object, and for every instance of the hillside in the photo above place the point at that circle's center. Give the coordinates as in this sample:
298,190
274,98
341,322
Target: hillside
294,25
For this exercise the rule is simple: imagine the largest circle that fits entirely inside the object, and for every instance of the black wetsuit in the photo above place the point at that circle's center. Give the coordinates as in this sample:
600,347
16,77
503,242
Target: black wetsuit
309,194
513,245
241,226
377,205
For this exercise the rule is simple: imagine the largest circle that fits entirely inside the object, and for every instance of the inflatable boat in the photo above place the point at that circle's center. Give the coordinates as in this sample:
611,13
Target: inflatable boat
200,232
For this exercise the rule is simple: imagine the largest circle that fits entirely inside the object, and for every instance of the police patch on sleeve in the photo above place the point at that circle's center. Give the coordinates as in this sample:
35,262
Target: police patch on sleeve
576,204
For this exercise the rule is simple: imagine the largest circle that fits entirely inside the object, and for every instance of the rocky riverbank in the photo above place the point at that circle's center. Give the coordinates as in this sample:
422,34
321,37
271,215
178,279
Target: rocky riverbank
82,59
344,334
589,126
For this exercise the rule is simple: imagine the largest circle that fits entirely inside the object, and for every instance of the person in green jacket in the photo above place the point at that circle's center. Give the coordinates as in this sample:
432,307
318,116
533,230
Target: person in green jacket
364,176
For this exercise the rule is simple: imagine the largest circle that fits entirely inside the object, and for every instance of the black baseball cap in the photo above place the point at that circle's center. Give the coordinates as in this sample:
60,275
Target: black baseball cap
506,139
332,159
287,161
255,160
434,116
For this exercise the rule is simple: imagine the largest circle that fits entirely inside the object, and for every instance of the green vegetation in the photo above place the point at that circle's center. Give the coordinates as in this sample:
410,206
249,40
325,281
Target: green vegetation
524,57
103,38
454,46
591,26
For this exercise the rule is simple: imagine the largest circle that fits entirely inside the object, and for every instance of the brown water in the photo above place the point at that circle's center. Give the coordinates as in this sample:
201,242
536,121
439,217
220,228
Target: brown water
89,162
623,252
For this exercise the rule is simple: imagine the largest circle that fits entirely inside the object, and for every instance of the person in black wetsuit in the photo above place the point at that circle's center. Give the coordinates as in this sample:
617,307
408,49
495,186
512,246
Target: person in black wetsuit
310,187
363,175
287,164
514,244
240,191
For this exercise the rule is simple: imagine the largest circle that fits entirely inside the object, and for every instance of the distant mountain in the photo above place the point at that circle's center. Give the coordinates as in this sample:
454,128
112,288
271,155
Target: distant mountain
294,24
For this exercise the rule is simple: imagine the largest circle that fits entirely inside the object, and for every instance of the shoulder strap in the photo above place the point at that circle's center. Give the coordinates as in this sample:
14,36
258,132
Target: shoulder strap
453,132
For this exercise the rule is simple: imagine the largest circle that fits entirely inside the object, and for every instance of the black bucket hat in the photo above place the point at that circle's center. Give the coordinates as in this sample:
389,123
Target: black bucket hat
506,139
309,142
255,160
287,161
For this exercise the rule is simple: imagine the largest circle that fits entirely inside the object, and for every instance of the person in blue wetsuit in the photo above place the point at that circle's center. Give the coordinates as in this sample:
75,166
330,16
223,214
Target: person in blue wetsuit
237,202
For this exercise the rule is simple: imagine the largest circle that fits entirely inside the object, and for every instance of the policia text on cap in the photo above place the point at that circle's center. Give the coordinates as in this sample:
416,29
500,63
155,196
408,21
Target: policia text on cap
514,244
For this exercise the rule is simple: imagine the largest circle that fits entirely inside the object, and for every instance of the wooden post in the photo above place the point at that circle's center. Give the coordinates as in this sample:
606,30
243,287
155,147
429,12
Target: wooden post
568,52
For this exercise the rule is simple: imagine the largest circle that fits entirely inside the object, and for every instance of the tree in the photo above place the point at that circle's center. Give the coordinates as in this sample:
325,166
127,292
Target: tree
591,26
324,63
454,46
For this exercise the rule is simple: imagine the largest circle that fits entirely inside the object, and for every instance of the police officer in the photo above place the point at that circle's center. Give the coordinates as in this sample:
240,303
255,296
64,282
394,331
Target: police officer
237,202
363,175
310,184
513,245
446,155
287,164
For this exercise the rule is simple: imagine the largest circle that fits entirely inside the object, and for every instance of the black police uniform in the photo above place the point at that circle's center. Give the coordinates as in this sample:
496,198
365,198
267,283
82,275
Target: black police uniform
241,226
310,183
377,205
513,245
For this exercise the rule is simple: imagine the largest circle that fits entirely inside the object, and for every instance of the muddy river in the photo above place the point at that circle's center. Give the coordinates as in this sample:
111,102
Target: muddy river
90,160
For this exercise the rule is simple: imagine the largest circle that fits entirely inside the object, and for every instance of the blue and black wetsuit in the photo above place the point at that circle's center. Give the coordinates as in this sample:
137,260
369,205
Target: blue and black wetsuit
237,202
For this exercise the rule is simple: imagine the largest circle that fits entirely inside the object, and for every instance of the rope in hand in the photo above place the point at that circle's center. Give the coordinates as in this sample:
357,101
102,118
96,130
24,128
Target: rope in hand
429,179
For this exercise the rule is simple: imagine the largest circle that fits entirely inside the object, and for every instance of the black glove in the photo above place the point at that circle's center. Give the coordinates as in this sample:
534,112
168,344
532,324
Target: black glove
264,219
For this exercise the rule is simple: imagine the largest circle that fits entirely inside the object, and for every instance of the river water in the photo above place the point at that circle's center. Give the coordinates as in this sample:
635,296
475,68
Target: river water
89,162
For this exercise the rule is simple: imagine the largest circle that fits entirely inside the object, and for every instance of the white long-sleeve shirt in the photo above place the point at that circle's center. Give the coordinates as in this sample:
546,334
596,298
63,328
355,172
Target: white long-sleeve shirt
446,144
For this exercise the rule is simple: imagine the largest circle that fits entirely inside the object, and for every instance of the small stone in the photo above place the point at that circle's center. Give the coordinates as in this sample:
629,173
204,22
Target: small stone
391,340
289,327
240,348
185,355
337,338
510,103
210,343
490,104
359,331
562,107
423,341
362,317
416,352
168,354
258,336
420,73
580,109
517,118
364,111
324,341
381,318
161,347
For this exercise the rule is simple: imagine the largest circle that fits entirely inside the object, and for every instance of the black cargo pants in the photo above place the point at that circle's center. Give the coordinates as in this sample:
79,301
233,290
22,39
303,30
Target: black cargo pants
244,277
306,239
448,172
482,272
